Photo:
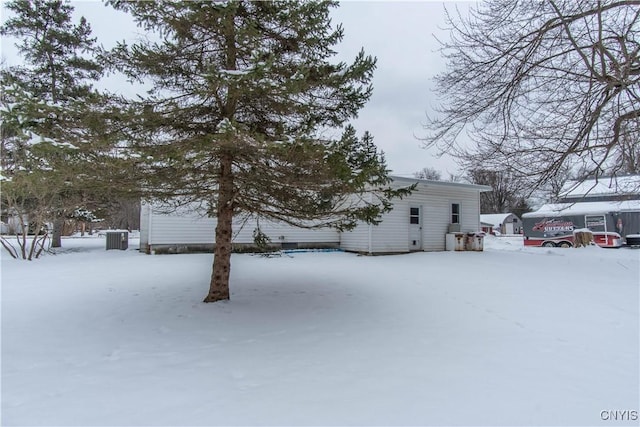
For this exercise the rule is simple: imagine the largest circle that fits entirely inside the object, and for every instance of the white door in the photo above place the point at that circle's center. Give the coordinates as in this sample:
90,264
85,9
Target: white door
415,228
508,228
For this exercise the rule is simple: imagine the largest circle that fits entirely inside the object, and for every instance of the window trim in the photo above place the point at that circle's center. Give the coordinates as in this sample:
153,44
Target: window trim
458,214
412,215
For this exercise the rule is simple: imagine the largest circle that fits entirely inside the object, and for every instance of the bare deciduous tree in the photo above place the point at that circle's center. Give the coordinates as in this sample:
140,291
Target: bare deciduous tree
428,173
629,153
506,195
552,190
539,86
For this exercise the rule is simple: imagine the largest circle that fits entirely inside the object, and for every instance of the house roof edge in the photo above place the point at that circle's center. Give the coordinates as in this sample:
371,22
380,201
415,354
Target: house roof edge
428,182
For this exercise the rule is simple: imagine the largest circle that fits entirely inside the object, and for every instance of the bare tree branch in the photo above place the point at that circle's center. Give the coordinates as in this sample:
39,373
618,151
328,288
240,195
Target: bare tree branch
535,87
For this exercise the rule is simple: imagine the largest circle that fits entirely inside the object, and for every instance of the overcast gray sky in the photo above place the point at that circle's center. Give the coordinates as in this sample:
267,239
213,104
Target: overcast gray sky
400,34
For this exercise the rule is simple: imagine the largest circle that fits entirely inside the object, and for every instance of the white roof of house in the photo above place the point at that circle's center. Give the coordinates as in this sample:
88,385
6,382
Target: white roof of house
584,208
603,186
494,219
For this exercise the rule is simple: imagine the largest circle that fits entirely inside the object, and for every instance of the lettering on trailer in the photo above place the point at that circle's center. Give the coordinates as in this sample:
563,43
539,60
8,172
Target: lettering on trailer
551,225
594,221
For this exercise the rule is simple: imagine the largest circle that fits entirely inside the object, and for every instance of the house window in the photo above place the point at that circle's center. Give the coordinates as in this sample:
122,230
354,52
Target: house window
414,215
455,213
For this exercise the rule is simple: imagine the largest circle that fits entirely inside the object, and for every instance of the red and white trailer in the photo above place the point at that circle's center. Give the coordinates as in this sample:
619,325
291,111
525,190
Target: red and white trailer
609,222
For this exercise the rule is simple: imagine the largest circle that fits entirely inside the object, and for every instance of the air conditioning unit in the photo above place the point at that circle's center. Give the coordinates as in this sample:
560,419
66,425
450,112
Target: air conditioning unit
454,228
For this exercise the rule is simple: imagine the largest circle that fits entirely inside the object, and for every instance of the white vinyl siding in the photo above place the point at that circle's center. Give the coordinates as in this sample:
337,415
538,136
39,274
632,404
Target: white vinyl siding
184,229
189,228
144,225
436,223
391,236
436,204
356,240
435,200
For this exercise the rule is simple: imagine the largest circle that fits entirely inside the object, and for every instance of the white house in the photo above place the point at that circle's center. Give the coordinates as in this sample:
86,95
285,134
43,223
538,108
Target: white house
418,222
187,230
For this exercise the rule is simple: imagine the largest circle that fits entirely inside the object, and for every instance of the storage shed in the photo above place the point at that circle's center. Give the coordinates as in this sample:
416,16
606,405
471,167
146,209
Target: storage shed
504,223
418,222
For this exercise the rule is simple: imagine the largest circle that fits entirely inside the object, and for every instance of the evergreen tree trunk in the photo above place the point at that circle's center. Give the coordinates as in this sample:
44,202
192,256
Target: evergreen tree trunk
56,240
219,287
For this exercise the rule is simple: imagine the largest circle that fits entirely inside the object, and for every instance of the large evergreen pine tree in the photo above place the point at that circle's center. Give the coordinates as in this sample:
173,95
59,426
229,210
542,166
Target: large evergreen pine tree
240,91
45,106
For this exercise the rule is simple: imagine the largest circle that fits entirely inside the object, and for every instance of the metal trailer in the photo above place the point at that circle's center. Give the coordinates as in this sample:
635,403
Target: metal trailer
609,222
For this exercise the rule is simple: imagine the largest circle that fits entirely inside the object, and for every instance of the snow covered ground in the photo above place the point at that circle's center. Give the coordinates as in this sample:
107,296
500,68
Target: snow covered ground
508,336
